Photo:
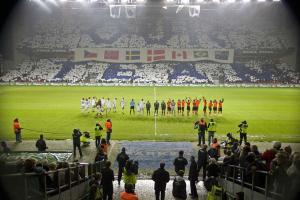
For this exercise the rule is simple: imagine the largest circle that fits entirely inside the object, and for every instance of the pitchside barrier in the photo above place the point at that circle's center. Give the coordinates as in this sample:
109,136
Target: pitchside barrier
241,85
69,183
255,186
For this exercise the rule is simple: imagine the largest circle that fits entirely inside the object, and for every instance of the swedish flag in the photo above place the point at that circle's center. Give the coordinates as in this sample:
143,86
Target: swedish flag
133,55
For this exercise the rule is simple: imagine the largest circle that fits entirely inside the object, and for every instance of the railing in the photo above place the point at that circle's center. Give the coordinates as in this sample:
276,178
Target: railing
256,181
25,186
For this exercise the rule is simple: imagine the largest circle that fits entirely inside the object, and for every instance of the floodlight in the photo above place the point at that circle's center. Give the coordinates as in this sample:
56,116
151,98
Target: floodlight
130,11
185,1
261,0
140,1
199,1
194,11
170,1
230,1
115,11
276,0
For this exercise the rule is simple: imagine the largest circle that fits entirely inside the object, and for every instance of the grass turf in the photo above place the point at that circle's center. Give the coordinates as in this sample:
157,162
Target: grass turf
272,113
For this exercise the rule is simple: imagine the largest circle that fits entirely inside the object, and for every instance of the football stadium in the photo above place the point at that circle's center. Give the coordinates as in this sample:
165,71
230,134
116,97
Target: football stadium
149,99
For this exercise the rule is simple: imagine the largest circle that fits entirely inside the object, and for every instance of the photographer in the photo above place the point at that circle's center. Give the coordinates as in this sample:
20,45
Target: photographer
130,172
76,142
243,131
84,139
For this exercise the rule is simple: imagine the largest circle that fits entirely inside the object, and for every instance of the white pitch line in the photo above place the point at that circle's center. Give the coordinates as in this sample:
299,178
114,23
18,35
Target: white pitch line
155,116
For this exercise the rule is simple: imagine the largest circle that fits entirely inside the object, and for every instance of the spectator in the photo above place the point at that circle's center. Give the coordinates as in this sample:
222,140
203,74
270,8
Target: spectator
254,165
228,160
107,181
104,146
180,162
202,160
160,177
293,173
193,177
130,172
17,130
278,173
243,156
96,192
254,149
231,143
179,186
213,171
76,142
100,156
41,144
108,126
34,189
215,145
288,151
4,147
121,159
269,154
128,194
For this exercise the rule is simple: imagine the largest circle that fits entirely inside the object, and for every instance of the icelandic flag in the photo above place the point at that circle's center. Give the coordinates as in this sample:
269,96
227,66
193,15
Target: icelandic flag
111,55
176,55
88,54
133,55
155,55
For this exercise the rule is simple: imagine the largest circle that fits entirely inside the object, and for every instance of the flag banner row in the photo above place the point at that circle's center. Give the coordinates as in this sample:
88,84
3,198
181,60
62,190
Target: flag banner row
144,55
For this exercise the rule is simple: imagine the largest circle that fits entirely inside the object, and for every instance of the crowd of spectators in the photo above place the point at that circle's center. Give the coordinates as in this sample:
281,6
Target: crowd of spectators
254,71
281,165
228,29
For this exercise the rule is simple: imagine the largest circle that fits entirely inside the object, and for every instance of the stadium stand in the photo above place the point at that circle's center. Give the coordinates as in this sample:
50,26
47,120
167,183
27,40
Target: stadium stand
242,168
203,72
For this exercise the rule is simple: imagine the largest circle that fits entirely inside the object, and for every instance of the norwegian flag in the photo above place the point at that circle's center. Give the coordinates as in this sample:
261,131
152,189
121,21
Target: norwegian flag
155,55
88,54
111,55
179,55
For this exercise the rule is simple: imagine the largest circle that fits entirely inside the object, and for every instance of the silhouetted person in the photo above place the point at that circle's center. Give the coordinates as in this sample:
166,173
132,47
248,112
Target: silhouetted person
76,142
193,177
41,144
107,181
180,162
160,177
121,158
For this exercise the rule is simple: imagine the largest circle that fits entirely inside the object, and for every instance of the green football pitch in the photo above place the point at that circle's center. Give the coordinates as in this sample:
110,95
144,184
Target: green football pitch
272,113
